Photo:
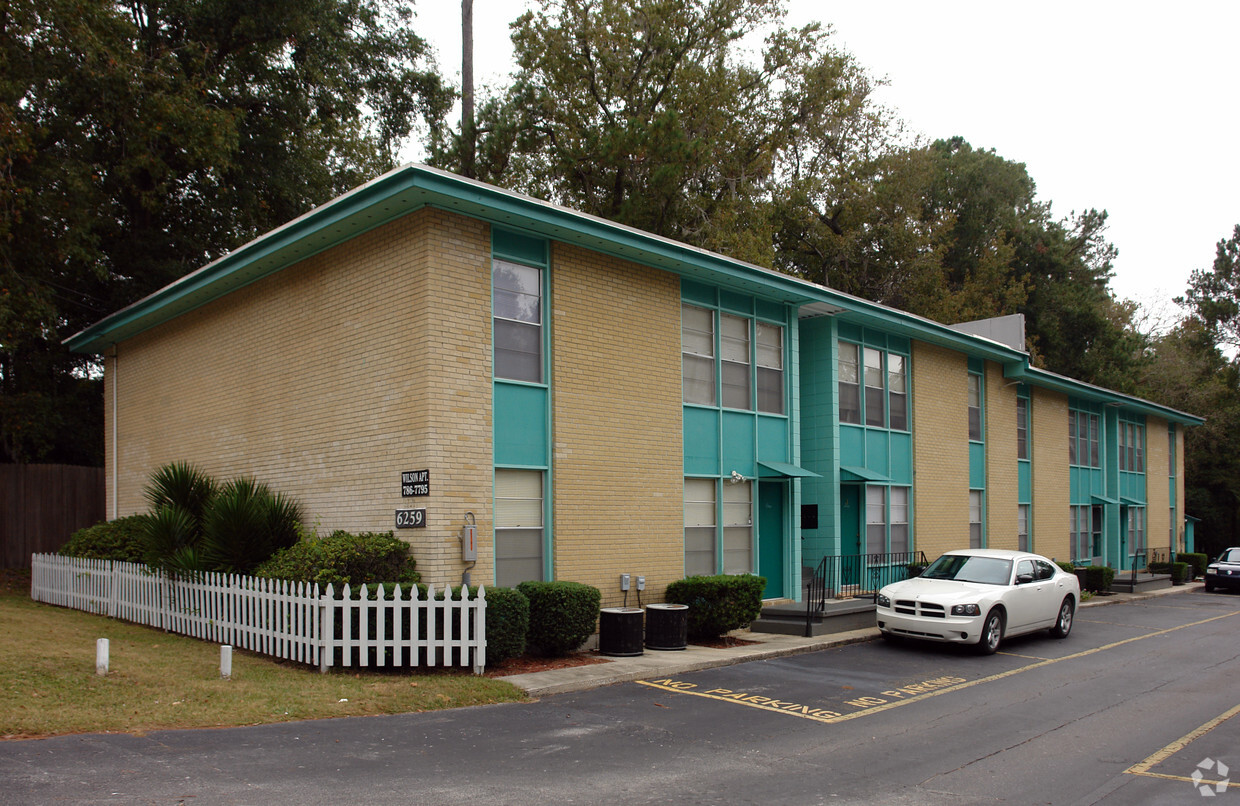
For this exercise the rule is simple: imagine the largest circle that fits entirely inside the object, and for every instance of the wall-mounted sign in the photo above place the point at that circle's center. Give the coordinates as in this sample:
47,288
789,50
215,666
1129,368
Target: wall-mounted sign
410,518
415,482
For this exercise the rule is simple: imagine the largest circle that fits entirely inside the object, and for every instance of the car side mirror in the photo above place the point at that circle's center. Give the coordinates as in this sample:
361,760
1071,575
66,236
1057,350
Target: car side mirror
1024,579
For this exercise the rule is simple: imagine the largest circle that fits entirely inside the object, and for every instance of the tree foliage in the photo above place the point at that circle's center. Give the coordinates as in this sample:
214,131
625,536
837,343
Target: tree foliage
139,140
1214,294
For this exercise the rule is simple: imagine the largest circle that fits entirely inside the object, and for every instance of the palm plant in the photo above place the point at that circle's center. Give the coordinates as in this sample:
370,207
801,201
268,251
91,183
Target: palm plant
245,524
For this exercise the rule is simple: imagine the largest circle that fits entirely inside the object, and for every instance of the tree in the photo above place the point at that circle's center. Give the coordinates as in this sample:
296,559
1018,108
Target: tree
652,114
142,139
1214,294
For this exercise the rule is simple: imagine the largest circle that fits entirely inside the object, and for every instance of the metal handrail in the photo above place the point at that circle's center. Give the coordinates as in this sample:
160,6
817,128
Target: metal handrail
852,575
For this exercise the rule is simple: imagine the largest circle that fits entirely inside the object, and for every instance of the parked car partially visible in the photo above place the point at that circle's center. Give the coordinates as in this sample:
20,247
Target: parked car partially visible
980,597
1224,573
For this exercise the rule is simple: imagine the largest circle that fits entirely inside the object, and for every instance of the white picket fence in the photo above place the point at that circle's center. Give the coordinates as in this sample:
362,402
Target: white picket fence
291,620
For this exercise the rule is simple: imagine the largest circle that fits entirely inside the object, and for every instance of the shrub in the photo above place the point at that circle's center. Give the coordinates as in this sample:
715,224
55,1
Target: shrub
1177,571
244,524
1197,562
915,569
343,558
508,624
718,604
1096,578
1069,567
119,540
562,615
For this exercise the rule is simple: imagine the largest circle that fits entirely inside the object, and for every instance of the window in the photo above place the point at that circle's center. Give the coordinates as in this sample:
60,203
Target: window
737,528
1022,428
1022,527
899,520
1139,444
874,387
734,345
875,520
975,407
1171,451
1086,534
517,306
897,385
700,526
850,384
697,345
518,526
1136,530
976,506
770,368
1083,433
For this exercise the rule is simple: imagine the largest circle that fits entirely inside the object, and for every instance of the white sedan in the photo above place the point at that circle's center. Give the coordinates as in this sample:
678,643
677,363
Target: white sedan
980,597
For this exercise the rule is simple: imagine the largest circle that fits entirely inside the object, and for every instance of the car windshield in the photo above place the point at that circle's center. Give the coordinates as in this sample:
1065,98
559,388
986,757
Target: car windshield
1230,556
967,568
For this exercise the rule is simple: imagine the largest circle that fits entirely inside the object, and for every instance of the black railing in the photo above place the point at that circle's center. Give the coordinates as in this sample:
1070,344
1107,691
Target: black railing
851,575
1142,559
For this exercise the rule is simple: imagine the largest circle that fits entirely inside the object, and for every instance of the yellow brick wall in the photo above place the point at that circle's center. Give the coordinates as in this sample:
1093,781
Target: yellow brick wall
1050,528
1002,478
619,502
1157,495
940,449
325,381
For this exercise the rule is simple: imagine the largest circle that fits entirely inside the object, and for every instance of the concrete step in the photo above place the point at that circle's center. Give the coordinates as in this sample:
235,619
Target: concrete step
837,616
1123,583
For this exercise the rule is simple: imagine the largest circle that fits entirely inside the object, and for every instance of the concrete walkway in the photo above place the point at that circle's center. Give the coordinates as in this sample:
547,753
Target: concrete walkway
653,664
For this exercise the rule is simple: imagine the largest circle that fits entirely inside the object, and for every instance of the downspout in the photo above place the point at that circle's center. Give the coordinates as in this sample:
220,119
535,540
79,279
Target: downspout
116,362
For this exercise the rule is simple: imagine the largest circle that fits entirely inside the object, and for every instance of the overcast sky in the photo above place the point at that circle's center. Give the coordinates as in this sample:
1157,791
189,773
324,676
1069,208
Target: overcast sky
1123,106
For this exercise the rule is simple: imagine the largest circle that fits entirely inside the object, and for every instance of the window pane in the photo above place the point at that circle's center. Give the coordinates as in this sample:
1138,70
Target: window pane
698,379
899,538
735,385
518,557
700,551
850,403
1072,437
700,527
897,380
899,412
770,346
975,407
975,519
518,526
1093,441
848,363
737,550
875,520
518,351
697,331
1022,428
770,390
874,407
515,277
734,338
873,368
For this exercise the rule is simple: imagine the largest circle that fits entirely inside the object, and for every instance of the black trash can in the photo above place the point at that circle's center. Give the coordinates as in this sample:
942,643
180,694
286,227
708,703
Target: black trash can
620,631
666,626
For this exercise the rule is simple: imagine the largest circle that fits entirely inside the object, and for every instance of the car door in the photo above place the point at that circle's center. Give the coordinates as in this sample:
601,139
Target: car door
1050,593
1022,599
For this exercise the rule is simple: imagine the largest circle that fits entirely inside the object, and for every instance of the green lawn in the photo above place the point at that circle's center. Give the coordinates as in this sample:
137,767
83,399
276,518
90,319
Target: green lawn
48,684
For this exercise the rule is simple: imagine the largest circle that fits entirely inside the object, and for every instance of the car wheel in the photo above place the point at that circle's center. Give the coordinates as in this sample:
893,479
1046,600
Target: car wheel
992,633
1209,588
1063,624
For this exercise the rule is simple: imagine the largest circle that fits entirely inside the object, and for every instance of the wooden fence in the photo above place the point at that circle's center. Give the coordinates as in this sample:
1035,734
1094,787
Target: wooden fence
291,620
41,505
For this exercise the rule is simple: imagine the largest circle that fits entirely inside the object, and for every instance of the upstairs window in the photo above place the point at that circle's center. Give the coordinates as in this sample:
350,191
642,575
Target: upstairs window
1022,428
1083,434
734,344
975,407
897,385
874,403
697,345
770,368
850,384
517,322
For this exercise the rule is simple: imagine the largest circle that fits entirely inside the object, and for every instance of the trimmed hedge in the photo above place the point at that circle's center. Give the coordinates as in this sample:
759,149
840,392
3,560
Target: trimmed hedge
508,624
718,604
343,558
1177,570
1069,567
562,615
1095,578
121,540
1197,562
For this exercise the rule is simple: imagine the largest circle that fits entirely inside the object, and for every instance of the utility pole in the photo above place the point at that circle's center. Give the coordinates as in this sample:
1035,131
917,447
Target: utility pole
468,133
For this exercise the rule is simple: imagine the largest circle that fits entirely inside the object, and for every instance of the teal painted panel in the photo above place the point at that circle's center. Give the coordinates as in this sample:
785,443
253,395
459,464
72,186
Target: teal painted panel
977,365
901,458
738,444
977,466
521,425
521,248
1024,483
900,344
773,311
738,303
852,446
698,293
701,431
1132,485
850,332
773,438
878,452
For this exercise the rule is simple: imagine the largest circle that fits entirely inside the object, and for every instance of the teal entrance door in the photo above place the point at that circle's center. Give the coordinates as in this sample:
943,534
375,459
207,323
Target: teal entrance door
850,531
771,537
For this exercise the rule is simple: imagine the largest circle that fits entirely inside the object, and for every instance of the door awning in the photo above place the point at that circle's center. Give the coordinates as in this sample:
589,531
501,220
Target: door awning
1130,502
861,474
784,470
1102,499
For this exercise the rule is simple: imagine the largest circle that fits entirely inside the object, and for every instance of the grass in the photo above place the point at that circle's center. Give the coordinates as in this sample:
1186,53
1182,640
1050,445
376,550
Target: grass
156,680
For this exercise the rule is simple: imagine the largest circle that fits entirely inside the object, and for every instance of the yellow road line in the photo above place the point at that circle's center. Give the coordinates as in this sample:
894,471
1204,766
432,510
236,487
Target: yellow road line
831,717
1143,767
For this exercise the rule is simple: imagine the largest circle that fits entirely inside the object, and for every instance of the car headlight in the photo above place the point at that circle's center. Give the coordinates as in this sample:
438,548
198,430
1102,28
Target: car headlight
966,610
1211,569
883,601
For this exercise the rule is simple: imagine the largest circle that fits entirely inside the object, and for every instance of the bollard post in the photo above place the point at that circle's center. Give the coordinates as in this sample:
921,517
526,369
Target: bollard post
226,661
101,656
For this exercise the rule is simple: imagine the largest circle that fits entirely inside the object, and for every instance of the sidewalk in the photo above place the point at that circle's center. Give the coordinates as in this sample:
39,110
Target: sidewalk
654,663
